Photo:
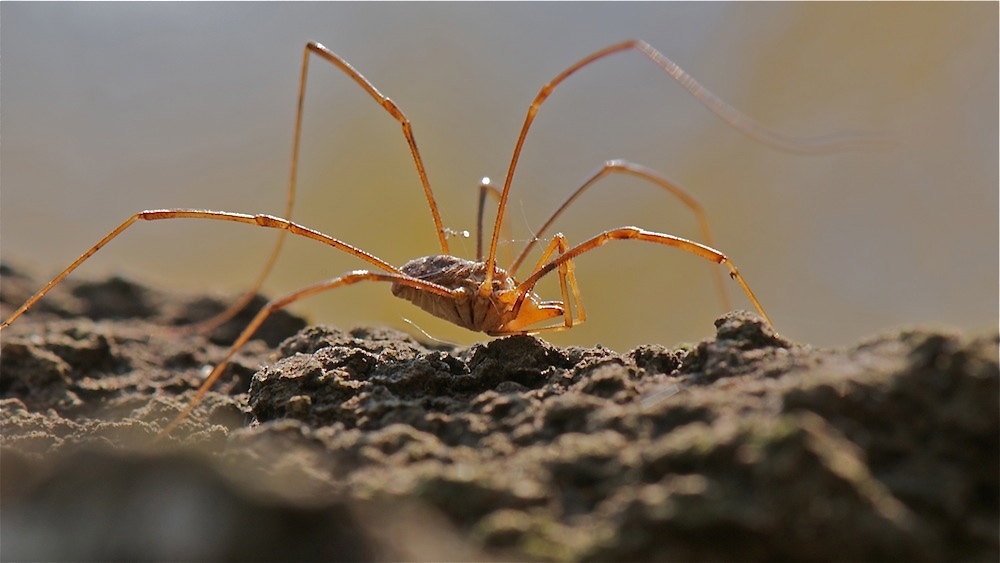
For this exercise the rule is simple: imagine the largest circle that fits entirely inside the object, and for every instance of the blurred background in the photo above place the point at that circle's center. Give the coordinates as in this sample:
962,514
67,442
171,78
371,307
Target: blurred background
112,108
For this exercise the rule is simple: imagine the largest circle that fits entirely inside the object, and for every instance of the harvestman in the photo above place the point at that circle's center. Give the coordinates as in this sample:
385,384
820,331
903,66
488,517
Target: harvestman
477,295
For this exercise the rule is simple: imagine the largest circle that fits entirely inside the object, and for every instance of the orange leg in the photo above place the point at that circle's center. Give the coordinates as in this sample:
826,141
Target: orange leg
635,233
565,308
394,111
282,302
486,189
621,166
567,276
801,145
268,221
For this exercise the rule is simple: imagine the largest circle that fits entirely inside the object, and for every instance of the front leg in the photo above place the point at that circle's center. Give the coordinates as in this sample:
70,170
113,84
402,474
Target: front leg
526,311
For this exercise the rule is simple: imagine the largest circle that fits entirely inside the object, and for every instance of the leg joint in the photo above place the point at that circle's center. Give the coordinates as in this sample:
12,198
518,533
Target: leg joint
271,221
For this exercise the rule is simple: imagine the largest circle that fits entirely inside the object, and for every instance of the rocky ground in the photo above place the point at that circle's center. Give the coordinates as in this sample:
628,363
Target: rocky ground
365,444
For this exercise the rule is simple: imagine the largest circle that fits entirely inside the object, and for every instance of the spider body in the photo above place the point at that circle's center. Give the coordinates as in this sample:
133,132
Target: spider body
466,306
479,295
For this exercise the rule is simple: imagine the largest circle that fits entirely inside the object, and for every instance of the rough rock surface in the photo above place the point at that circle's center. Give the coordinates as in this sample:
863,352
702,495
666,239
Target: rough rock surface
320,443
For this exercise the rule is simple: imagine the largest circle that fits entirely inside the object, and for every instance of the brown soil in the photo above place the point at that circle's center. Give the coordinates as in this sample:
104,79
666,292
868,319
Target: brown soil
366,444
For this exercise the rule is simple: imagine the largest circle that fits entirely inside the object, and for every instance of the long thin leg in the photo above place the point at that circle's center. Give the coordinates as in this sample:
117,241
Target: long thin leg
567,277
572,311
397,113
282,302
624,167
801,145
390,107
486,190
268,221
635,233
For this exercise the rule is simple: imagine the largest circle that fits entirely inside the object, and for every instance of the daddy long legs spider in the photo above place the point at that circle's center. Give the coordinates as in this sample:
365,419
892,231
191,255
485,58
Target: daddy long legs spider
477,294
